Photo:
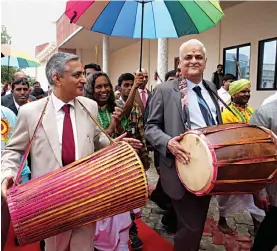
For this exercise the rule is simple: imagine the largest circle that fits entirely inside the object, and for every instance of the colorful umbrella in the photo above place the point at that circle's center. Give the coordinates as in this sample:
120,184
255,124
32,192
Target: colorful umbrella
16,58
145,18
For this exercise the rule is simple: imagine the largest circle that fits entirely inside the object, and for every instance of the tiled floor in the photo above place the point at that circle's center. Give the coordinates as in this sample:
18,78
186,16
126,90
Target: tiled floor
213,239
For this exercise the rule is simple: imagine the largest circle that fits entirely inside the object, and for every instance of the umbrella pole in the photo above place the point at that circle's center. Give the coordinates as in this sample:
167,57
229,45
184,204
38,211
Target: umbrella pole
8,68
141,34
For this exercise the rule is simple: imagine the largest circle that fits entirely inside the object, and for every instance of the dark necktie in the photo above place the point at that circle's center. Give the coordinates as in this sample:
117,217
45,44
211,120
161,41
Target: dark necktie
68,144
205,110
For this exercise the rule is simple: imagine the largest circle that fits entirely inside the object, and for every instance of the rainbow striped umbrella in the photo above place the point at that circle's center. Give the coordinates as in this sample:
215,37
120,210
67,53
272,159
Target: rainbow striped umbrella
15,58
149,19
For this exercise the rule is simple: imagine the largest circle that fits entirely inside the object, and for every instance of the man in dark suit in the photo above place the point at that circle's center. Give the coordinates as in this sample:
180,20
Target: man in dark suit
18,96
169,117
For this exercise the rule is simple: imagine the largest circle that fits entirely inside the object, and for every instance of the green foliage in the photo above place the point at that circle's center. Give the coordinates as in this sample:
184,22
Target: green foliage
4,73
31,80
5,37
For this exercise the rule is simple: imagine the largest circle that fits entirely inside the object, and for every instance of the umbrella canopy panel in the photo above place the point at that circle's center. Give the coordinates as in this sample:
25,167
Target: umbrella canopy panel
162,19
13,57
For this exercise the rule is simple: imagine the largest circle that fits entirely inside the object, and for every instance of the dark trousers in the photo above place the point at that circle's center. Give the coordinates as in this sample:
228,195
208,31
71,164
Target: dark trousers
5,223
266,238
191,213
133,228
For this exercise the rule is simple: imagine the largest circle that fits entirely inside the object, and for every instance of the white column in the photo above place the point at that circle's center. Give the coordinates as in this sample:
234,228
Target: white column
162,58
105,67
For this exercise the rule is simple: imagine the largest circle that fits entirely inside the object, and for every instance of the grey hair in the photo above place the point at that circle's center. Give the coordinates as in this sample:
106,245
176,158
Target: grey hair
192,42
56,65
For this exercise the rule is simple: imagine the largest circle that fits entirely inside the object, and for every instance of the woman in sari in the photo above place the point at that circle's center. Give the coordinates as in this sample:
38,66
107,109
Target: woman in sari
112,234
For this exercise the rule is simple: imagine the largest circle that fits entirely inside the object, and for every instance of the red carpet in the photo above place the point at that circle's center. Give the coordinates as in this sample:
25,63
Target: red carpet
152,241
11,247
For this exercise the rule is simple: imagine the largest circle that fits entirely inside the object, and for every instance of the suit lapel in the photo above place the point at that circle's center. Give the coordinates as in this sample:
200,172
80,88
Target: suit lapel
81,127
12,105
51,130
177,97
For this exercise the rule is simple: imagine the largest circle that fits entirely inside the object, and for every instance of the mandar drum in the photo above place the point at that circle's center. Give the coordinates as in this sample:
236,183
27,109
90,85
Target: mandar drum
106,183
229,159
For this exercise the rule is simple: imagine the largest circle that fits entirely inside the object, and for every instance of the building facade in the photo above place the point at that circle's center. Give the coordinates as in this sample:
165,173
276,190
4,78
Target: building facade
247,34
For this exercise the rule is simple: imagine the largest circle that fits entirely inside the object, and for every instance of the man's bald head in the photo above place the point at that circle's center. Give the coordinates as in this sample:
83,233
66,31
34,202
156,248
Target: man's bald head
142,70
19,74
145,77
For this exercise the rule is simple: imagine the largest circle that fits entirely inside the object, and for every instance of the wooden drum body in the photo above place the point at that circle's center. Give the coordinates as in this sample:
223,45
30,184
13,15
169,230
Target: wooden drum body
229,159
108,182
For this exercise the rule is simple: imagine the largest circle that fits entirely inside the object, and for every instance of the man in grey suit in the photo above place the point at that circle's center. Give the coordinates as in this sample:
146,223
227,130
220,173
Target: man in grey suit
266,238
67,133
167,120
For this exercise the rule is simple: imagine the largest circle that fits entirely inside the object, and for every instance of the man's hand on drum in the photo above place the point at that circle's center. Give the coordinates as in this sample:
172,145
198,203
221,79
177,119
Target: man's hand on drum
178,150
262,201
135,143
6,184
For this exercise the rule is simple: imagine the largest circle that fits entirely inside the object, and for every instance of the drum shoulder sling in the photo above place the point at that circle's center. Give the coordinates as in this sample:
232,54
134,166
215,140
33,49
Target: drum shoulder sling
106,183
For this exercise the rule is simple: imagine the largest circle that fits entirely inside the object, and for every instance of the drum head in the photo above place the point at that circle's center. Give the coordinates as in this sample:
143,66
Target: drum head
198,174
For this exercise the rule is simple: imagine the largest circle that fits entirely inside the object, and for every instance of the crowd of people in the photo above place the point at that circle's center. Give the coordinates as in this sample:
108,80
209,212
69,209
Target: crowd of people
149,121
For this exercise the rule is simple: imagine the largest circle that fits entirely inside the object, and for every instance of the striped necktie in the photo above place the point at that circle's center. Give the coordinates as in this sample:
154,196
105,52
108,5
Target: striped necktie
205,110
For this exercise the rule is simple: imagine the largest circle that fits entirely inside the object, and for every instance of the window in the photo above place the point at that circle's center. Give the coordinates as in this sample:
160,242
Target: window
237,60
267,65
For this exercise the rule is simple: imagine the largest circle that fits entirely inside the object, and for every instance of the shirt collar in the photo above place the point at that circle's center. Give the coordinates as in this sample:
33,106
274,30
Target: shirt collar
223,90
16,105
191,85
141,90
121,100
58,104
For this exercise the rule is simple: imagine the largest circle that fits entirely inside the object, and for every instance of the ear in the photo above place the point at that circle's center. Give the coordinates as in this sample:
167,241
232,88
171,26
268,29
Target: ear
56,79
119,89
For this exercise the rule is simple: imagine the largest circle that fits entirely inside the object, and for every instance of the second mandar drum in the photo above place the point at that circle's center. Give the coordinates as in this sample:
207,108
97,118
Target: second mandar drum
229,159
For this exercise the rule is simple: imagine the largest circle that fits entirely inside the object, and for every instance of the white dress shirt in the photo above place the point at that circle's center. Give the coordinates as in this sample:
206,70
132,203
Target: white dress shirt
16,105
59,113
196,117
225,95
270,99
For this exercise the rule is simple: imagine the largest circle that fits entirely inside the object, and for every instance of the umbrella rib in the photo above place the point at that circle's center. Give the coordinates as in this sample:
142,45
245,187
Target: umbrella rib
71,7
205,11
189,18
117,17
154,20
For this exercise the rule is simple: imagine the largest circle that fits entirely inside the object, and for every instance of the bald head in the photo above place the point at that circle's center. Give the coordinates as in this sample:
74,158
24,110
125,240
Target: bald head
189,44
19,74
142,70
145,77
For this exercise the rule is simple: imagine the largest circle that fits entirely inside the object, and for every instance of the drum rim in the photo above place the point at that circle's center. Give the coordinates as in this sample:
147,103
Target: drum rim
209,187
